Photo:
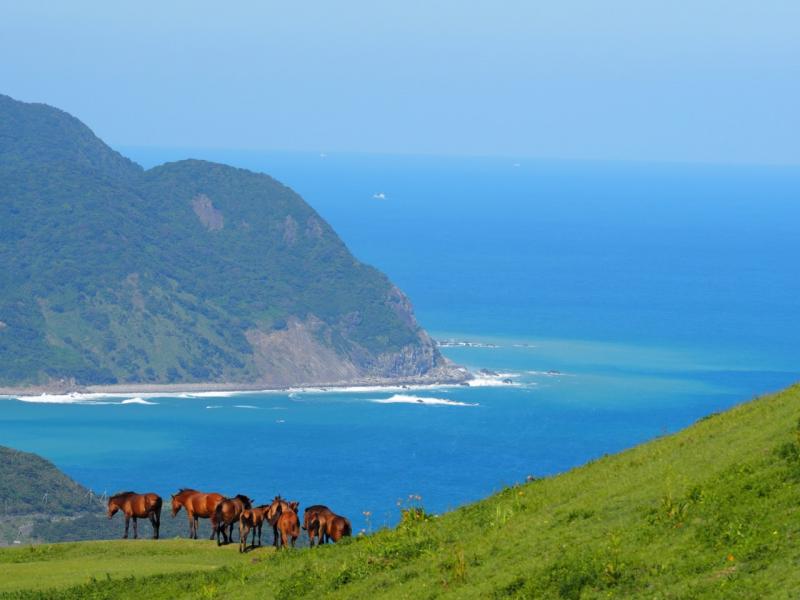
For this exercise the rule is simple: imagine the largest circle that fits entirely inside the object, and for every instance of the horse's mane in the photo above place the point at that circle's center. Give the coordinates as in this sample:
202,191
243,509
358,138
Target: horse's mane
180,491
120,495
242,497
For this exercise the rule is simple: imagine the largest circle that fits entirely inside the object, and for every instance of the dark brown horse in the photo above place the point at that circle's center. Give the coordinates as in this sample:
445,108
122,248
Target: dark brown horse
314,522
137,506
288,524
198,505
251,519
227,513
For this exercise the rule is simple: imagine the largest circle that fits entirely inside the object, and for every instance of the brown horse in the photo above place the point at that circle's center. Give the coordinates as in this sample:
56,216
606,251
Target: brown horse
337,527
227,513
288,524
251,519
198,506
314,522
137,506
278,506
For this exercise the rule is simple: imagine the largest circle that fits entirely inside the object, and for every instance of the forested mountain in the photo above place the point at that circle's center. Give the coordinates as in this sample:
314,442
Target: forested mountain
188,272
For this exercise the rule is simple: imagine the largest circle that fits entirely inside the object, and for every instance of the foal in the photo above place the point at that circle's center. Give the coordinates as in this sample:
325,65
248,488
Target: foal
251,519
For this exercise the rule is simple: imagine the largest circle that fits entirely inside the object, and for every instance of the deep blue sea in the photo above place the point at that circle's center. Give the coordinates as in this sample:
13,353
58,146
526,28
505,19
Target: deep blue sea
622,301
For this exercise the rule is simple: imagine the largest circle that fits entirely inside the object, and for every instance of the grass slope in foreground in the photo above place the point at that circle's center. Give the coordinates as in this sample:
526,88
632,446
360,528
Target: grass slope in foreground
710,512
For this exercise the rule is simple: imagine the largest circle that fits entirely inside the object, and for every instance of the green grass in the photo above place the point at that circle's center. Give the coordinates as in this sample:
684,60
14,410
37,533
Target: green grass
52,566
711,512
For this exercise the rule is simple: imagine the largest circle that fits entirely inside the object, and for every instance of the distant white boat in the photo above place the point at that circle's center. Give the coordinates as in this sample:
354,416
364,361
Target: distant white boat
379,196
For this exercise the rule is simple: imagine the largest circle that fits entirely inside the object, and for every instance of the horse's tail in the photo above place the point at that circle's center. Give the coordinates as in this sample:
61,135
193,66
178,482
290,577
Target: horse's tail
218,512
348,529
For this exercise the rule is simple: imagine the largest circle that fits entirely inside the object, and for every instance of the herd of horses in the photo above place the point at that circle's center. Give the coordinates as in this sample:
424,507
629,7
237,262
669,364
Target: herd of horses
319,521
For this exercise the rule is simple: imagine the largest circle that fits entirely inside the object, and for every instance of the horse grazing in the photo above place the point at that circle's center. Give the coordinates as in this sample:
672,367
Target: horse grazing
337,527
137,506
198,506
227,513
314,522
288,524
251,519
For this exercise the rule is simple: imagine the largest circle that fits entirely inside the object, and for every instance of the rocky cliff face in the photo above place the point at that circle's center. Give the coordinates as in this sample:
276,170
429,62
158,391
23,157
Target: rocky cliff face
189,272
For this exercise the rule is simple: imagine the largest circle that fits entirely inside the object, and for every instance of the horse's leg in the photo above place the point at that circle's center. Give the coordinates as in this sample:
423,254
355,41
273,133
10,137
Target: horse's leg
259,534
135,529
127,522
275,540
156,525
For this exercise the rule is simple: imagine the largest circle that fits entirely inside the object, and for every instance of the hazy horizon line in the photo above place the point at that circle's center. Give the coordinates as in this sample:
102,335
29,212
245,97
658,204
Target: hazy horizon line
514,158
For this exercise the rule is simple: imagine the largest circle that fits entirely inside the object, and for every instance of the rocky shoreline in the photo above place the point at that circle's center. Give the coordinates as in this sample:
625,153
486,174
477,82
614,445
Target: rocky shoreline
449,376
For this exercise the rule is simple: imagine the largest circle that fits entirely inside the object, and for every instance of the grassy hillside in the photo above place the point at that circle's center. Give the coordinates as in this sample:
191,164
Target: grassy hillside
189,272
711,512
29,484
40,503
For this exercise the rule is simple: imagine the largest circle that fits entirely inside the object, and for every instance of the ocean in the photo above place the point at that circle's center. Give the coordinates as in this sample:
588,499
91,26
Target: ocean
608,303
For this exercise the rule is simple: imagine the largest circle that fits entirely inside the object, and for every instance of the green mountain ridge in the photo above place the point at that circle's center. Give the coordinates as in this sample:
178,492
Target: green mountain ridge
709,512
188,272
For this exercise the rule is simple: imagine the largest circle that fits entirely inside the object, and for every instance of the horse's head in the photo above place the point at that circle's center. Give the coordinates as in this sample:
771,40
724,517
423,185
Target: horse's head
310,520
113,507
176,504
295,506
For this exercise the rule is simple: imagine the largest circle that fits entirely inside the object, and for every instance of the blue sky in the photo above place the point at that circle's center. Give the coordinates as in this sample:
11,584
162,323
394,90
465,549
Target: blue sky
707,80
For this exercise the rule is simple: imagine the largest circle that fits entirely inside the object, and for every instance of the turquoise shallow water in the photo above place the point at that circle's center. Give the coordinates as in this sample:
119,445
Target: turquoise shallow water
622,302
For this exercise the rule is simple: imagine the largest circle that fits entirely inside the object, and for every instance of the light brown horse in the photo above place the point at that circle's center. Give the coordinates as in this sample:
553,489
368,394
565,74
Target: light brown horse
314,522
288,524
227,513
198,505
251,519
137,506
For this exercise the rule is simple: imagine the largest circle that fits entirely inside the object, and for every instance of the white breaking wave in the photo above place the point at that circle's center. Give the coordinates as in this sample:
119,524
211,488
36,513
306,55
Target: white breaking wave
245,406
213,406
406,399
491,381
548,373
210,394
73,398
138,401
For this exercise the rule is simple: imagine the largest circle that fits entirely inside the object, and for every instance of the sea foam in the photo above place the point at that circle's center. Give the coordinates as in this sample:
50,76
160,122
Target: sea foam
408,399
138,401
